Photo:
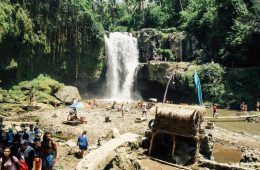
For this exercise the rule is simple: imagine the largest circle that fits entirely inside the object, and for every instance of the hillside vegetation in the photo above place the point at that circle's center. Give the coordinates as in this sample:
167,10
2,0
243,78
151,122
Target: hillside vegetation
65,38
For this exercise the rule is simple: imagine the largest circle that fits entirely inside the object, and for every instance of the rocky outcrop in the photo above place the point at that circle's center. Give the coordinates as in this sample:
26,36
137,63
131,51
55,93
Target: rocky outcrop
250,155
66,94
153,42
155,75
162,71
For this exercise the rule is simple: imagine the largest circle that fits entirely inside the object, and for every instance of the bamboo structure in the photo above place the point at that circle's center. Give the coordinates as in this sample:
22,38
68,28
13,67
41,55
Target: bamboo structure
178,120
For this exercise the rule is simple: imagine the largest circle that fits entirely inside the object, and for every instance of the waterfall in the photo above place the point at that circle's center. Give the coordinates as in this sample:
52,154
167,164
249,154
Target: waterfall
122,61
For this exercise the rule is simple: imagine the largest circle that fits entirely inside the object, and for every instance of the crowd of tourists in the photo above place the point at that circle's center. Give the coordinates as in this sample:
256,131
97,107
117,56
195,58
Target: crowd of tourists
27,149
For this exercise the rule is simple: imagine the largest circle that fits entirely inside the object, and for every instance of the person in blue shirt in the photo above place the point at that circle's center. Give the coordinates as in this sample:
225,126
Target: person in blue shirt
83,143
10,137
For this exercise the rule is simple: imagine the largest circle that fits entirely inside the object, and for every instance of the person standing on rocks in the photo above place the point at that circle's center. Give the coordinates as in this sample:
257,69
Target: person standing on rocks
144,109
49,152
83,143
122,110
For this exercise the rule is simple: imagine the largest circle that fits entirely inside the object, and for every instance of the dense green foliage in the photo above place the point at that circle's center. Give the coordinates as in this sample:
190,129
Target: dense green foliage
227,87
228,31
60,38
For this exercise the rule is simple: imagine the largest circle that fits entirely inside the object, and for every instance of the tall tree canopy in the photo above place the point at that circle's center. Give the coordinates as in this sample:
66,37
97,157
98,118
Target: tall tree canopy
60,38
64,38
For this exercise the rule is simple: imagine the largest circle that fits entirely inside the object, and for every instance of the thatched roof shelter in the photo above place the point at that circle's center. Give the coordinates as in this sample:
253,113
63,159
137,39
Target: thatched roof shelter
183,120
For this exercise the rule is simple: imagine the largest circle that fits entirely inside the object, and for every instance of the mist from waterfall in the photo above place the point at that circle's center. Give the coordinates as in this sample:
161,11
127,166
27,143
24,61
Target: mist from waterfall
122,61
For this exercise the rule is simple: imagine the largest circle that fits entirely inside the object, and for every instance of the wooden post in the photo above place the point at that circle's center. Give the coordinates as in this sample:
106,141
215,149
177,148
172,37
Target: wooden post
197,149
151,142
173,145
166,90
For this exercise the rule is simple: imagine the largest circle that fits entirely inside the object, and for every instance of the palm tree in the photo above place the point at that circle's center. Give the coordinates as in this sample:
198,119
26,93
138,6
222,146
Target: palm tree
140,6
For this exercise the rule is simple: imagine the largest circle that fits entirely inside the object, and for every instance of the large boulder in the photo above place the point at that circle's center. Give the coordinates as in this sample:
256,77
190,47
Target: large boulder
102,157
66,94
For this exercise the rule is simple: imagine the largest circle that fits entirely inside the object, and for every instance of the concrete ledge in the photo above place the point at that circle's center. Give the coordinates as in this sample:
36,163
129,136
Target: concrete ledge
99,158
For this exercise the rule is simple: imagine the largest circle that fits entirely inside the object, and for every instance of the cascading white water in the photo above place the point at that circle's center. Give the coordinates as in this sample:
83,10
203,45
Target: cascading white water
122,61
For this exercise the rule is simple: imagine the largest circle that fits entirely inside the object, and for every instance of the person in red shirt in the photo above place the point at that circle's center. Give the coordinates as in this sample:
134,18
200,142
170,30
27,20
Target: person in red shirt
215,113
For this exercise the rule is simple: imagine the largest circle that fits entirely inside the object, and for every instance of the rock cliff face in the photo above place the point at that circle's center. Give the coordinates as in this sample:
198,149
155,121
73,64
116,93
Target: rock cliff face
168,43
161,71
152,79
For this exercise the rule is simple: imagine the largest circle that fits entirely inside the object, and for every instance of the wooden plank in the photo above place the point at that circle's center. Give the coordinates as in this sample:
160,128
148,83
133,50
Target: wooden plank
230,118
168,163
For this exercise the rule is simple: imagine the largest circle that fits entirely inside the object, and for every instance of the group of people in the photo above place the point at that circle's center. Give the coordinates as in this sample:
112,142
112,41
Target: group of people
73,116
121,108
27,150
243,108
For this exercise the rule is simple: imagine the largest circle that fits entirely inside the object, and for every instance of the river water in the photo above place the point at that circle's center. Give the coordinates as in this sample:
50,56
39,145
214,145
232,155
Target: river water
224,154
247,128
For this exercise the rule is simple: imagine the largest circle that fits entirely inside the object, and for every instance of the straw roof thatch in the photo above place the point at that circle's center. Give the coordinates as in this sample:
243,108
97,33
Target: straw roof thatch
180,112
183,120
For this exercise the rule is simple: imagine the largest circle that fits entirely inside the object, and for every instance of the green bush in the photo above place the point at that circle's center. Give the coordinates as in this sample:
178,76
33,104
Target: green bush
211,79
166,53
42,83
42,97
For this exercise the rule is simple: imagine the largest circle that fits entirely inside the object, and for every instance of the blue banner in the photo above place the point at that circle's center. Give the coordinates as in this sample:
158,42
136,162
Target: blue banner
198,86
